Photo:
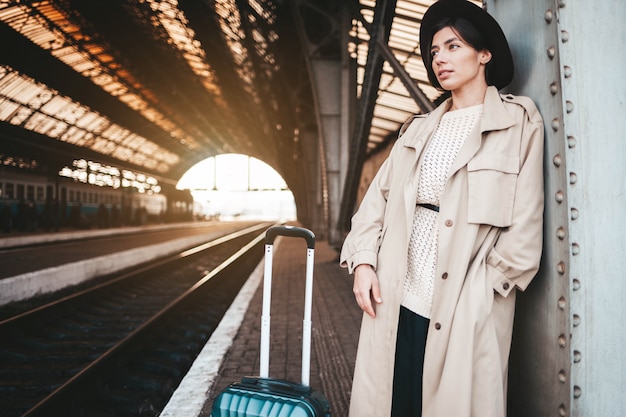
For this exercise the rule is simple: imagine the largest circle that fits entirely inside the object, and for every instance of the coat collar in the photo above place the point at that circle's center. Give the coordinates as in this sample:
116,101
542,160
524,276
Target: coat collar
494,117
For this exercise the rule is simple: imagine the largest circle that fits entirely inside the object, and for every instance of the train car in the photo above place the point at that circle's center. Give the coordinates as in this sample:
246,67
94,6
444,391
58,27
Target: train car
30,202
22,198
180,205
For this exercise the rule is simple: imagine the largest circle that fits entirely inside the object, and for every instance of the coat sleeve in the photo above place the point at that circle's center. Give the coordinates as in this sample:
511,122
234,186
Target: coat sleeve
514,259
362,243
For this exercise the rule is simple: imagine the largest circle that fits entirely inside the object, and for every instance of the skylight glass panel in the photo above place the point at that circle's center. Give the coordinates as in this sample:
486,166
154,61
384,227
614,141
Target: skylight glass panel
175,23
51,28
389,126
230,20
33,106
398,101
394,104
7,109
230,23
390,113
378,132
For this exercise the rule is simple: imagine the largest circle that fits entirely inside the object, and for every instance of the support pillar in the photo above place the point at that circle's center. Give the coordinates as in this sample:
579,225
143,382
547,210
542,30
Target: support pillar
333,85
568,356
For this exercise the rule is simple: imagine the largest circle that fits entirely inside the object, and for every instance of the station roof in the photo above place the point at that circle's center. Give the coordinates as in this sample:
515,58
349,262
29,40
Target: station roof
158,85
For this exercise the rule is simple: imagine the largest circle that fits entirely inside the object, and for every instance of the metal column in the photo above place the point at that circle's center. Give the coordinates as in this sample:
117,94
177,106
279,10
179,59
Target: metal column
568,356
330,75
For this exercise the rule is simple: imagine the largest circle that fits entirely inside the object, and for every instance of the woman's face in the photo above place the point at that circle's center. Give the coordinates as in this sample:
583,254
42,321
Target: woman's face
457,64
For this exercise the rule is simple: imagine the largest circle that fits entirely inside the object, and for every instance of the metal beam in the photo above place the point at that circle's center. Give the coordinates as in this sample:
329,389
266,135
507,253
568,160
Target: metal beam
416,93
379,33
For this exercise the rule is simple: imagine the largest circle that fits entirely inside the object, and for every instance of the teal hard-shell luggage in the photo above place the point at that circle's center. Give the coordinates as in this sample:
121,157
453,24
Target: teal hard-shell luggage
269,397
262,396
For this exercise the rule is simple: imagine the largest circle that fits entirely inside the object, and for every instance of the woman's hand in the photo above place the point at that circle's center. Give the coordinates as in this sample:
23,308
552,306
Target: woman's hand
366,288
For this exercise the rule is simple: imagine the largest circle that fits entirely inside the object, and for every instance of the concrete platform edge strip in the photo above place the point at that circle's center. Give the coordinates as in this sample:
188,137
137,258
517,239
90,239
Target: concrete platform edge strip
24,286
8,241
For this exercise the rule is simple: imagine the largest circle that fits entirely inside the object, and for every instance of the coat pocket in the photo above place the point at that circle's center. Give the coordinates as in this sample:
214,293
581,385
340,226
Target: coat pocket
492,179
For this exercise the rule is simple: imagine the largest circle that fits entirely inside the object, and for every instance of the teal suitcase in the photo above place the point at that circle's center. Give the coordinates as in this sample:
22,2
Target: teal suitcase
270,397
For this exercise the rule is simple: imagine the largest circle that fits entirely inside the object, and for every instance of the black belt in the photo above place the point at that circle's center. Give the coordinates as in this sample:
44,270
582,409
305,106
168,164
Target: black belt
429,206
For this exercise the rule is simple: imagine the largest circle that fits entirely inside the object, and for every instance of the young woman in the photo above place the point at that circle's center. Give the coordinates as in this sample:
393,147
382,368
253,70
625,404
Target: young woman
448,231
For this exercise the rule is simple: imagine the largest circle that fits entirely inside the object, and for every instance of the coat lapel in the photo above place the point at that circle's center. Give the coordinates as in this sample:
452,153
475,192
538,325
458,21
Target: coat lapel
494,117
416,137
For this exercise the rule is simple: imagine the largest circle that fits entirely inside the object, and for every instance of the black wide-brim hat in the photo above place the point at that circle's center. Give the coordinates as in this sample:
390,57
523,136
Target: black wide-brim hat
501,66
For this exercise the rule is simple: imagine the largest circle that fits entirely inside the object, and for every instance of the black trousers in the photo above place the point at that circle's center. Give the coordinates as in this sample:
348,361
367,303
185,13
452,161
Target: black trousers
409,364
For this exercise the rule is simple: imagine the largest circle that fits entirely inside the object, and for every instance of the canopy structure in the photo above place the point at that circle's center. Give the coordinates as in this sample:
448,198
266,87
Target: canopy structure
156,86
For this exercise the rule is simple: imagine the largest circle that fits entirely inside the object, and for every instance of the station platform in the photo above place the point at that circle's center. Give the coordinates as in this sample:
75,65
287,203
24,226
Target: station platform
35,264
233,350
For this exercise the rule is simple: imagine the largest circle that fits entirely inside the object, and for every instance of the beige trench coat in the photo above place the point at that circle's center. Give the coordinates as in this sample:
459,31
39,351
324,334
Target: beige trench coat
490,241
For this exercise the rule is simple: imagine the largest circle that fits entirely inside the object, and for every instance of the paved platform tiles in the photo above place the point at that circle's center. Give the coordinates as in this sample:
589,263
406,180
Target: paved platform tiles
335,325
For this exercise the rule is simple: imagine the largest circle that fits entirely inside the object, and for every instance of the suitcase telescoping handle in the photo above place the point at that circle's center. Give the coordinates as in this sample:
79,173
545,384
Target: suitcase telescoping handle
270,235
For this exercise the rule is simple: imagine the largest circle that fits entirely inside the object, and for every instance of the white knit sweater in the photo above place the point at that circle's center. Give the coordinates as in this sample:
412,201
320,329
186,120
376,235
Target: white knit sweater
454,128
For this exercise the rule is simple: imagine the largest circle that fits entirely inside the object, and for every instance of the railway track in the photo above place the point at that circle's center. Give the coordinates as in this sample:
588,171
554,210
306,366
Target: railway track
121,348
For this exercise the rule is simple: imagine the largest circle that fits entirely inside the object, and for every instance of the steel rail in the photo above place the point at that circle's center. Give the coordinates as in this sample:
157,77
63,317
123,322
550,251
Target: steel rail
145,267
64,394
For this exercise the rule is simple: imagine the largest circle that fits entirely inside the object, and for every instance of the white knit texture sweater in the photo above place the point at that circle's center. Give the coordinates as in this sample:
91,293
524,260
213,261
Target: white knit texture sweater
453,130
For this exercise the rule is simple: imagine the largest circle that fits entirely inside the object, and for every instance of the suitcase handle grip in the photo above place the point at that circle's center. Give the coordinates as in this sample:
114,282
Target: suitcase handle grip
290,231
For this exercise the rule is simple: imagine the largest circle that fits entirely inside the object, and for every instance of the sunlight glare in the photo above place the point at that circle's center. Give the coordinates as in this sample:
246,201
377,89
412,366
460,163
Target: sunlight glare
236,186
